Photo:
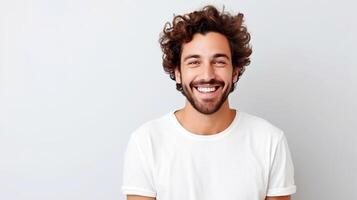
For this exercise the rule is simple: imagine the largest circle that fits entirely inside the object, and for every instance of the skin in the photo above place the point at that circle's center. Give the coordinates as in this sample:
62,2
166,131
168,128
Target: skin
137,197
200,64
206,58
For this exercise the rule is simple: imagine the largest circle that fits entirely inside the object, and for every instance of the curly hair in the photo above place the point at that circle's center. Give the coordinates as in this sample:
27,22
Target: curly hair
208,19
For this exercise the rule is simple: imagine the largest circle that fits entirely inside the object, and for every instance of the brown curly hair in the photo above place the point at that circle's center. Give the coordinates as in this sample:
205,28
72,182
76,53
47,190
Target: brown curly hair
208,19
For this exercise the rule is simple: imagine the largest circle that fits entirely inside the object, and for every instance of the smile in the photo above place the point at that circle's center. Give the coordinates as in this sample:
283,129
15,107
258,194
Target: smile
207,89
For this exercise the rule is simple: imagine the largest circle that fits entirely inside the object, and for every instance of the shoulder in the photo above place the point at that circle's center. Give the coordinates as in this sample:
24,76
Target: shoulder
152,130
259,127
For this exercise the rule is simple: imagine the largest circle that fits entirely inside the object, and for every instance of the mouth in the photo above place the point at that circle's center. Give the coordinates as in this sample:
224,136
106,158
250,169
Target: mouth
207,89
207,92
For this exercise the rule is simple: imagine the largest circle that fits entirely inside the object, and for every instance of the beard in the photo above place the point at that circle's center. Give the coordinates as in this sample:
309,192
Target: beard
206,107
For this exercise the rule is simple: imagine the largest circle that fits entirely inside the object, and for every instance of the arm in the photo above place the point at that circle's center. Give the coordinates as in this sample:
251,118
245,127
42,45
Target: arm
277,198
137,197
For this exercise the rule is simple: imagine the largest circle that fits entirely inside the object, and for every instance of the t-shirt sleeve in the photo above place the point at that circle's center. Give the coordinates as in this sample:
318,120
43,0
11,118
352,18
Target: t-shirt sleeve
137,173
281,176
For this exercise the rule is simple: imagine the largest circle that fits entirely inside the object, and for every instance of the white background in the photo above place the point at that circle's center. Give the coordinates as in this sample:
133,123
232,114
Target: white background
77,77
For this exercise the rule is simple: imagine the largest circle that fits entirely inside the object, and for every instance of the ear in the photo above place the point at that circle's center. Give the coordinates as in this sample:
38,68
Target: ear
235,74
177,75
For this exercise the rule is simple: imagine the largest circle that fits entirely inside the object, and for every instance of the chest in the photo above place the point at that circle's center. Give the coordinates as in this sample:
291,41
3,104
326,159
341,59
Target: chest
211,171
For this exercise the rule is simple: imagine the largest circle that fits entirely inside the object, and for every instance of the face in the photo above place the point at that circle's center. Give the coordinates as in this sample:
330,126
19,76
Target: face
206,72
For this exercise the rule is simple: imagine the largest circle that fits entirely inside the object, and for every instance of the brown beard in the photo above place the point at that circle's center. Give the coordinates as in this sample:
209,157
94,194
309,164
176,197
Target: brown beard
203,109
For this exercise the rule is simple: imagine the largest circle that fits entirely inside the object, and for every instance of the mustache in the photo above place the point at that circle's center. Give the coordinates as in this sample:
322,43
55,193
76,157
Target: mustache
210,82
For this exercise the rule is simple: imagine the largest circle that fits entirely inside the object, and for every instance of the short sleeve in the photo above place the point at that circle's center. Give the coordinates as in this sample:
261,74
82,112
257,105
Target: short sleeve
137,173
281,176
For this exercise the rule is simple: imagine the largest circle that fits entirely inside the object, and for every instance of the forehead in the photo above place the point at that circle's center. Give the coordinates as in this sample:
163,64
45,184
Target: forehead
206,45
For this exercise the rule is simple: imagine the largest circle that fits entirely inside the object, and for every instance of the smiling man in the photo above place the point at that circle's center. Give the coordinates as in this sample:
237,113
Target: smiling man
207,150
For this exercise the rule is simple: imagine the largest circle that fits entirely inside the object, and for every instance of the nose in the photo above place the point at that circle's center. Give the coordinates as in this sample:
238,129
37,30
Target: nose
208,72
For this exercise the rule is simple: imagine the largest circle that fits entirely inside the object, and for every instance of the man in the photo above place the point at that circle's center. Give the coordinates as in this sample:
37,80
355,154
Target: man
206,150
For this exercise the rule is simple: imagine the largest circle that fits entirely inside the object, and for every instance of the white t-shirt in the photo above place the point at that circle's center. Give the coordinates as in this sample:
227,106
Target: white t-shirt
249,160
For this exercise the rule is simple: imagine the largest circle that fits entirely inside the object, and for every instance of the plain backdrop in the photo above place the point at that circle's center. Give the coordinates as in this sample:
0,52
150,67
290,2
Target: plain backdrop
78,76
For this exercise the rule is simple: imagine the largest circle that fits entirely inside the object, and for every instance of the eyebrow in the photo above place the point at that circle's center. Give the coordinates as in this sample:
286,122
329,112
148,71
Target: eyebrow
217,55
191,56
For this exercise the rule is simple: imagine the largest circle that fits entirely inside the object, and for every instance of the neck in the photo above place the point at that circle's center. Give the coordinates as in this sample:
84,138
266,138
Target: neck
203,124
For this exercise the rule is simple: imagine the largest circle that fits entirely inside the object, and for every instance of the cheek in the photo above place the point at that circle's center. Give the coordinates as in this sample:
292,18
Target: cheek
187,77
225,76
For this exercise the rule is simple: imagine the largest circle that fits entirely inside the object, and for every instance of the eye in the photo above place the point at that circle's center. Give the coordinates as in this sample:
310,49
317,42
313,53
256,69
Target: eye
193,63
220,63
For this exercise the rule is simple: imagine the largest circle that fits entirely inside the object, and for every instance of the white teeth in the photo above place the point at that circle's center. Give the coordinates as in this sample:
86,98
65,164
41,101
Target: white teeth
207,89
